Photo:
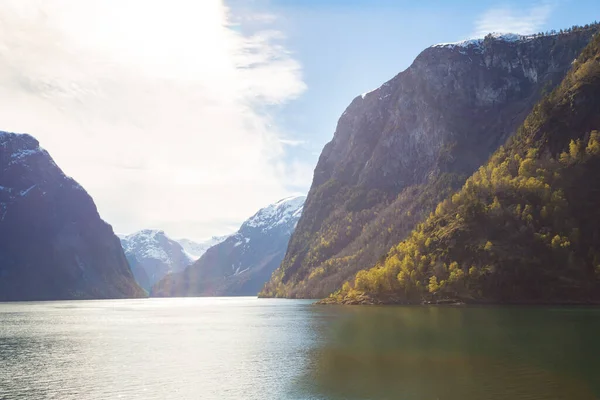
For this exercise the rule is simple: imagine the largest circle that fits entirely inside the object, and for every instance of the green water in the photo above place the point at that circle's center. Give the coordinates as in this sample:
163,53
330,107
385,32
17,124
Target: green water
460,353
247,348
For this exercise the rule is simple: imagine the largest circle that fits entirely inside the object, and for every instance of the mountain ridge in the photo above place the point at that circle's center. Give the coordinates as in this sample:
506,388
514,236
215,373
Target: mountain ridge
53,243
244,261
152,254
400,149
524,227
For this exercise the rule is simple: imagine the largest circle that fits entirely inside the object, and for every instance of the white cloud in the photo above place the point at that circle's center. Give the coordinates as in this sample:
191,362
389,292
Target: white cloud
158,108
264,18
507,19
291,142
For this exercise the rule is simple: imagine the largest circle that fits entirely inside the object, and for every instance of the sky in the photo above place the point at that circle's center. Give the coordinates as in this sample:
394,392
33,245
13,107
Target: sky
190,115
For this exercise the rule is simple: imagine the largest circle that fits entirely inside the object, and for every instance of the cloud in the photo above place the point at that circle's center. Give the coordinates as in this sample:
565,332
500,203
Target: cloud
264,18
160,109
291,142
509,19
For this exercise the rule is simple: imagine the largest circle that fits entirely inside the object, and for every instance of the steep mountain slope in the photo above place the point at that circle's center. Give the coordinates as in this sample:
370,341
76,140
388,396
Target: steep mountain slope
152,255
53,244
196,249
244,261
400,149
524,228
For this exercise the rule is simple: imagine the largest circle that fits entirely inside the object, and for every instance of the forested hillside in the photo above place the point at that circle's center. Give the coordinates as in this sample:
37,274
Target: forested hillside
525,228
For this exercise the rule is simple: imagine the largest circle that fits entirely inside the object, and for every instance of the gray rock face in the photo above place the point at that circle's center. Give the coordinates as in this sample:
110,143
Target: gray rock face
400,148
240,265
53,244
471,96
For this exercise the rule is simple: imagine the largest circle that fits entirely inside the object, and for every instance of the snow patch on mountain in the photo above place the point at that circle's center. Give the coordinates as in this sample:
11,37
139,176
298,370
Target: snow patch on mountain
24,192
25,153
363,95
196,249
244,261
478,42
155,253
146,244
45,209
276,214
21,151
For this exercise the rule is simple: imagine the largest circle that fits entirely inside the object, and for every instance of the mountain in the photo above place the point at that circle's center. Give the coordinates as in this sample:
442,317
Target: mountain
152,255
53,243
240,265
196,249
524,228
401,149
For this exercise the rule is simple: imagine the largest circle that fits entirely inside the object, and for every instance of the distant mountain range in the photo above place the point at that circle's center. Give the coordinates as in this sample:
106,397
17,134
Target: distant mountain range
196,249
53,244
472,176
244,261
152,255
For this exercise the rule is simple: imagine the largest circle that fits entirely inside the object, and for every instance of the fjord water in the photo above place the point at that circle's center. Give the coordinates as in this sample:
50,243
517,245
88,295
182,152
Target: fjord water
248,348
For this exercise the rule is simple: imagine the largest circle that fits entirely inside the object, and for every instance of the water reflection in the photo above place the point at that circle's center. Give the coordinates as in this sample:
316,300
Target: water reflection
457,353
22,356
251,349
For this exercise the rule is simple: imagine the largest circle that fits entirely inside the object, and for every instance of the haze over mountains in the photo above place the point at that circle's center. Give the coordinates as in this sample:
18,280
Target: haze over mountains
406,193
152,255
55,246
196,249
237,264
242,263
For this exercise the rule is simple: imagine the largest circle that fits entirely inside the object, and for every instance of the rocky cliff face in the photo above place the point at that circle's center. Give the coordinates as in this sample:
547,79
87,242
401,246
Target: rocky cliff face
525,226
240,265
53,244
152,255
400,149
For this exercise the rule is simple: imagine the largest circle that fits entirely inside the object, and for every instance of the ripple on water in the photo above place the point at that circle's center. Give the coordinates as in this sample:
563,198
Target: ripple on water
246,348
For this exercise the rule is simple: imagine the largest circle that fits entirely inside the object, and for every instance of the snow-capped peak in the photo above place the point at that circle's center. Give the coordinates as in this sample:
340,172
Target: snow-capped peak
279,213
149,233
363,95
23,146
477,42
150,244
196,249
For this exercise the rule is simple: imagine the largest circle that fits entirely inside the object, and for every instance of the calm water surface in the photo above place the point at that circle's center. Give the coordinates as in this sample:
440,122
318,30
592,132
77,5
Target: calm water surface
246,348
